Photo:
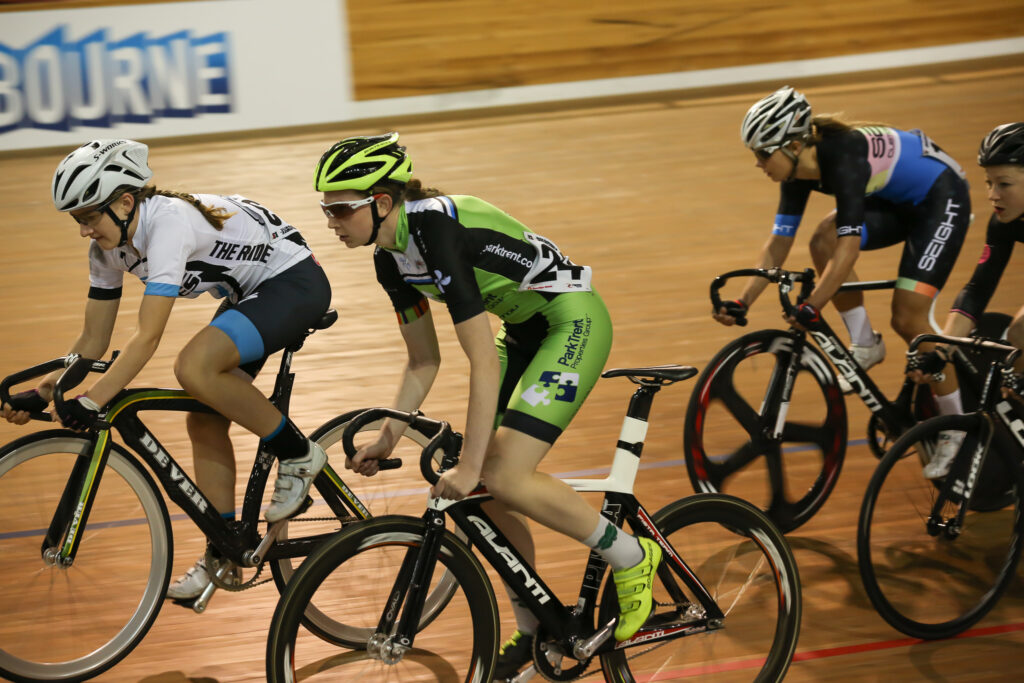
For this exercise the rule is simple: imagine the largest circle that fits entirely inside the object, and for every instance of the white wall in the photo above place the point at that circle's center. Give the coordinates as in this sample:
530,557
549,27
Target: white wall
156,70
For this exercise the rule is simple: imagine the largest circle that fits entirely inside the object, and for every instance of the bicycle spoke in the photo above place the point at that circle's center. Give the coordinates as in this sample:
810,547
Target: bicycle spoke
748,418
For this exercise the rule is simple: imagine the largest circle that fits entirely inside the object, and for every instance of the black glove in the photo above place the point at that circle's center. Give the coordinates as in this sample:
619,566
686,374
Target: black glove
30,401
80,413
930,363
737,309
1014,381
808,316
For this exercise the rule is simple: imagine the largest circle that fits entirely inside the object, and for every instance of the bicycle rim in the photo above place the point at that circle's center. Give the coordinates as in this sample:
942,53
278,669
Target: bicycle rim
921,580
75,622
726,450
748,568
383,494
350,578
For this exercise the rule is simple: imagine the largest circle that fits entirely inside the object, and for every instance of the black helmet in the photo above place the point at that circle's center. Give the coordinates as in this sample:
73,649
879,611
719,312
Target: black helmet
1003,145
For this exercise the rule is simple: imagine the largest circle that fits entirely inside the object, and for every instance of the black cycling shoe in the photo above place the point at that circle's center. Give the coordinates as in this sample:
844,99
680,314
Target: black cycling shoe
514,654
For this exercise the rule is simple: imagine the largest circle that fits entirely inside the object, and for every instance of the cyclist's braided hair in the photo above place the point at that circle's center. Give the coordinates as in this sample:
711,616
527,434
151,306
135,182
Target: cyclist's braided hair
406,192
215,216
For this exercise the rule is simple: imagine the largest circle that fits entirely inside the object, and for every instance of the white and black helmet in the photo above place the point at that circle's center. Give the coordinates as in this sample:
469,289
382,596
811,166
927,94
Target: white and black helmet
91,174
1003,145
775,120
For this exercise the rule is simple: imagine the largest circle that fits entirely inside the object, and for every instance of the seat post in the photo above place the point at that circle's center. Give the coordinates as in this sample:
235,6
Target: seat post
640,402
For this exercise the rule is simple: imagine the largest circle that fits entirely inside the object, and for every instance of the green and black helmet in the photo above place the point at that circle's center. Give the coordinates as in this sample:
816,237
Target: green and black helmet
363,162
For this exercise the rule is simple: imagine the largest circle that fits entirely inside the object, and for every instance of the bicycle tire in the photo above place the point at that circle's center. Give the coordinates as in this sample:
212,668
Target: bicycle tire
928,585
329,437
102,605
752,466
354,572
740,557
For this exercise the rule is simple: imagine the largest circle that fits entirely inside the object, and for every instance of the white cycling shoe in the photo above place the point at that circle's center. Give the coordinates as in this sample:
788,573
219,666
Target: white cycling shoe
294,478
866,357
195,581
948,446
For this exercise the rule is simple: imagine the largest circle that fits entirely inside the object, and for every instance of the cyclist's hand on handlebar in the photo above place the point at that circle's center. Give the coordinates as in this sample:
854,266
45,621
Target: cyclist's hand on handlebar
80,413
23,403
367,461
456,483
807,316
1013,385
923,367
731,313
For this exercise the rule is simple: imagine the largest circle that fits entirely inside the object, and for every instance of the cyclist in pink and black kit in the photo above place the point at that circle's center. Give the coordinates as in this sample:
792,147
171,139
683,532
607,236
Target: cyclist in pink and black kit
890,186
1002,156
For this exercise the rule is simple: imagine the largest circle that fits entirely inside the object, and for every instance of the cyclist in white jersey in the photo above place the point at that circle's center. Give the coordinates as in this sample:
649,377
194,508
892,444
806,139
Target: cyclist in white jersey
181,245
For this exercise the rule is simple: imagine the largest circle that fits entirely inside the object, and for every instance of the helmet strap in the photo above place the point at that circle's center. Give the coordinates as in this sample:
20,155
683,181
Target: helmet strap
793,157
378,220
123,224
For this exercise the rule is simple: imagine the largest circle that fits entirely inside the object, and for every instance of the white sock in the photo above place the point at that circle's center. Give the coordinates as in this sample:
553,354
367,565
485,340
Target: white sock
949,404
526,621
858,325
619,549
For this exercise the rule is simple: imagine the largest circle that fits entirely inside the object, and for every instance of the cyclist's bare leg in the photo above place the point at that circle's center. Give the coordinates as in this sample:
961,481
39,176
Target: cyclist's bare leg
214,458
510,472
204,369
822,246
910,317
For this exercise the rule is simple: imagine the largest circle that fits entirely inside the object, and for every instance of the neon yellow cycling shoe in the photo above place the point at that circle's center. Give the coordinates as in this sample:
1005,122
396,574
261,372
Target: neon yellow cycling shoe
634,588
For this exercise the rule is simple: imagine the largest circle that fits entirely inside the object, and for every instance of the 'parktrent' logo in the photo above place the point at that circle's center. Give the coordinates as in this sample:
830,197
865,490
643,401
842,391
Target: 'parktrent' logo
58,84
501,251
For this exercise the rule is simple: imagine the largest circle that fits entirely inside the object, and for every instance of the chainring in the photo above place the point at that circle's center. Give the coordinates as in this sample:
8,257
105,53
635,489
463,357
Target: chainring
545,649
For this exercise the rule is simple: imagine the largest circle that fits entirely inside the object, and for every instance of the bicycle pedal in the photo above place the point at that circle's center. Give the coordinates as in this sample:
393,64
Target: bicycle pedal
306,504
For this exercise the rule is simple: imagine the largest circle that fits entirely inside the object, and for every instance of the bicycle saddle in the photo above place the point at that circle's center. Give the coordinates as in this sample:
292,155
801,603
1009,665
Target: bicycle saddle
328,319
664,373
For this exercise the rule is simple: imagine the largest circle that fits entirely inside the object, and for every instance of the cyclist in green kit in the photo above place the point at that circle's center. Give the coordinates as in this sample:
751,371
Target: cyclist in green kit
525,386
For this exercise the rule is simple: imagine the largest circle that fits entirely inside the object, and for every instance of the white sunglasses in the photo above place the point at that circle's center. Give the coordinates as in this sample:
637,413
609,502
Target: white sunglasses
346,209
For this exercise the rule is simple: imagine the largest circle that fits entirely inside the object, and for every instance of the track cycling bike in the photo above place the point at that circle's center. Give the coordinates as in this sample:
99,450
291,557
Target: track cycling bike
782,391
931,562
86,542
726,595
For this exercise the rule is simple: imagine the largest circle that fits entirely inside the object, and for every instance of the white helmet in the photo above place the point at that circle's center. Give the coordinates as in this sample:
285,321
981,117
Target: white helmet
775,120
91,174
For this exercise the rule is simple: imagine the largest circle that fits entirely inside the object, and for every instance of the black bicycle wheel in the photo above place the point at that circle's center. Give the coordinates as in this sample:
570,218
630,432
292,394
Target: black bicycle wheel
350,578
72,623
391,492
746,565
923,580
724,440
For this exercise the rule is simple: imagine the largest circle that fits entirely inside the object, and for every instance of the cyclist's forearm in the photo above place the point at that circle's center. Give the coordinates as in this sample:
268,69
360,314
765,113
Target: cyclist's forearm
773,254
97,328
412,391
484,377
129,363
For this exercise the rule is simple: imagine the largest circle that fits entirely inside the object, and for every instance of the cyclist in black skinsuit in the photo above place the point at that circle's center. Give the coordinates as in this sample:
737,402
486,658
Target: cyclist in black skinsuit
1002,156
890,186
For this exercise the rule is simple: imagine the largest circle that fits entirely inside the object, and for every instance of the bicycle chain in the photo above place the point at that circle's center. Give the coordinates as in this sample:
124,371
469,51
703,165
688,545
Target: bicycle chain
252,582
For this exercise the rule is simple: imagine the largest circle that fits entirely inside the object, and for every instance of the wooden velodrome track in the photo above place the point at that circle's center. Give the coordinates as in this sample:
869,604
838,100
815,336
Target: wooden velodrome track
656,194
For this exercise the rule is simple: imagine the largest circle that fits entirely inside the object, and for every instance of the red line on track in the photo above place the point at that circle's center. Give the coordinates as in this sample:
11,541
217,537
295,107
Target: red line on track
822,654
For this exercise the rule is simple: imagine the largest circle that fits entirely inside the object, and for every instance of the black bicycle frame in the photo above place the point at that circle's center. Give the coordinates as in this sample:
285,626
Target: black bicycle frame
960,482
233,540
564,624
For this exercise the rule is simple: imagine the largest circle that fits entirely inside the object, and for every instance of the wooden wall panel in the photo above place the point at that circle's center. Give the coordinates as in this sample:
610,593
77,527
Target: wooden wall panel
417,47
